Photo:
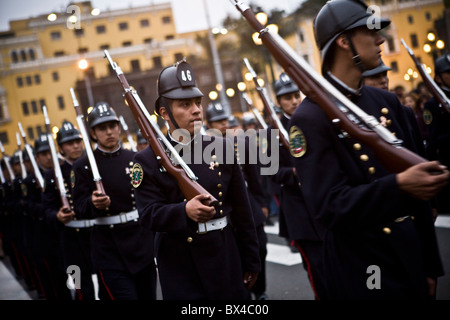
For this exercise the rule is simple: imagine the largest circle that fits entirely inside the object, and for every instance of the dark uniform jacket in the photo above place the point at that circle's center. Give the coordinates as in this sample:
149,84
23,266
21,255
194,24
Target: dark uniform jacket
125,247
199,266
368,220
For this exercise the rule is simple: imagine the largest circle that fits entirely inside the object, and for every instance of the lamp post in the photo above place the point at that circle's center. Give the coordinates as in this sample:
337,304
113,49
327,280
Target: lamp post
411,76
83,65
433,45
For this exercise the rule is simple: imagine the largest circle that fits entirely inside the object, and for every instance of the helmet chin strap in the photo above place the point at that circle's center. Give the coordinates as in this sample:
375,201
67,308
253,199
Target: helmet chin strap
165,104
356,58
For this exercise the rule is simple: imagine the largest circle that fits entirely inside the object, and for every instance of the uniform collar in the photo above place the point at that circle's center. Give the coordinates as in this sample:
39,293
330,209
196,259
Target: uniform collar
112,154
350,93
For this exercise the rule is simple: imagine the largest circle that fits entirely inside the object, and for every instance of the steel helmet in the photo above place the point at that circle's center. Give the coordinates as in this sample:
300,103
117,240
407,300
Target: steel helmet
140,138
442,64
285,85
67,133
248,118
41,144
233,122
215,112
381,68
338,16
101,113
177,82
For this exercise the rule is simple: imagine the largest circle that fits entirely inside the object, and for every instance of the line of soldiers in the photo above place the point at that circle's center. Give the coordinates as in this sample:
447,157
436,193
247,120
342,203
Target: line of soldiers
341,208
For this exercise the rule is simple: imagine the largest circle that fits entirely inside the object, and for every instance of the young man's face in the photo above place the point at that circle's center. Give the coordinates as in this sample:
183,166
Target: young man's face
289,102
367,44
188,114
72,150
44,159
221,125
107,135
380,80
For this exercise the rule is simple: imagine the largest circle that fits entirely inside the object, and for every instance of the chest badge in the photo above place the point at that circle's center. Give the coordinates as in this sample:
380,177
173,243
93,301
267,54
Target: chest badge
297,142
137,175
72,179
427,117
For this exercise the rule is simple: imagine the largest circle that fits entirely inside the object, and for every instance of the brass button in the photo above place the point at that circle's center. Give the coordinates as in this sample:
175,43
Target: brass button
371,170
364,157
357,146
111,226
221,211
189,239
216,164
213,157
185,200
385,111
219,186
77,230
388,122
220,173
220,193
387,230
412,217
220,203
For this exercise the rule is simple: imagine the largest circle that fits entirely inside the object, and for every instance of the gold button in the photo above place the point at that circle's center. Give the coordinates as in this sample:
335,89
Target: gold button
371,170
214,157
385,111
220,203
220,193
189,239
221,211
412,217
77,230
185,200
111,226
387,230
364,157
130,163
220,173
216,164
357,146
388,122
219,186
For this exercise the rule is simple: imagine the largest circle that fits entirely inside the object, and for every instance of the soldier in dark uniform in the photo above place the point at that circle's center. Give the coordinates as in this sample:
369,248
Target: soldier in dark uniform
73,233
142,143
379,240
295,224
218,119
437,121
121,249
377,77
202,252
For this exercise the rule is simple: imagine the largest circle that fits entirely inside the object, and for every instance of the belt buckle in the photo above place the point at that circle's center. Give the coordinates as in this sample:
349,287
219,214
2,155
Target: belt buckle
203,232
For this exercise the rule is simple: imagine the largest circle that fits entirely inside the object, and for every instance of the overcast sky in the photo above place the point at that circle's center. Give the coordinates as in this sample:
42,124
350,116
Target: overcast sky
189,14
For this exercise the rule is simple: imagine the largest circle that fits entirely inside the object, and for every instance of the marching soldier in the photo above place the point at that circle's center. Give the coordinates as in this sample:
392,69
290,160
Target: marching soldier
202,252
377,77
379,240
73,233
121,249
437,121
218,119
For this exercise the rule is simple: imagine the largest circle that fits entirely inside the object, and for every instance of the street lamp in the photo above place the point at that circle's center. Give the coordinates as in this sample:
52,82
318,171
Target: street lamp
411,76
83,65
433,45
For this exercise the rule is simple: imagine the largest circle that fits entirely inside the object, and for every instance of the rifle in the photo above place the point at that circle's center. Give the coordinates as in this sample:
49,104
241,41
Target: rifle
22,165
437,93
29,150
284,137
8,165
187,181
87,145
339,109
56,167
254,110
129,137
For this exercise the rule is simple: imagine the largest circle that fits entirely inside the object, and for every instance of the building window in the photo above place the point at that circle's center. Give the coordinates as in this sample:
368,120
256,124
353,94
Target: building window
123,26
148,40
28,80
39,130
170,37
306,58
58,54
37,78
4,137
55,35
126,43
14,57
390,43
428,16
23,55
42,103
414,41
82,50
135,66
32,55
178,56
104,47
55,76
2,114
166,19
301,36
34,108
19,82
79,32
60,102
101,29
394,66
25,109
157,63
144,23
410,19
30,133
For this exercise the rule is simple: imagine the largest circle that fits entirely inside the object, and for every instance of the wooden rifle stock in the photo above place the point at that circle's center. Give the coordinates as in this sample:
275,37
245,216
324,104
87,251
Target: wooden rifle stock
393,156
187,185
437,93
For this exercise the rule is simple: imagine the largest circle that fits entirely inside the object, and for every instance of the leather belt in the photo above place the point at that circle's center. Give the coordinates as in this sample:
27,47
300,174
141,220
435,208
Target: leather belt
211,225
118,218
86,223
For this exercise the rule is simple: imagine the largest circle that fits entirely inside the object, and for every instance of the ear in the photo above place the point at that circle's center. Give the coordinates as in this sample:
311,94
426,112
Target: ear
342,42
163,113
93,135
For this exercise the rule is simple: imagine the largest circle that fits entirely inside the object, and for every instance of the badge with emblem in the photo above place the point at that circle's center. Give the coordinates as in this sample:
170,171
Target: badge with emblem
72,179
297,142
137,174
427,117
